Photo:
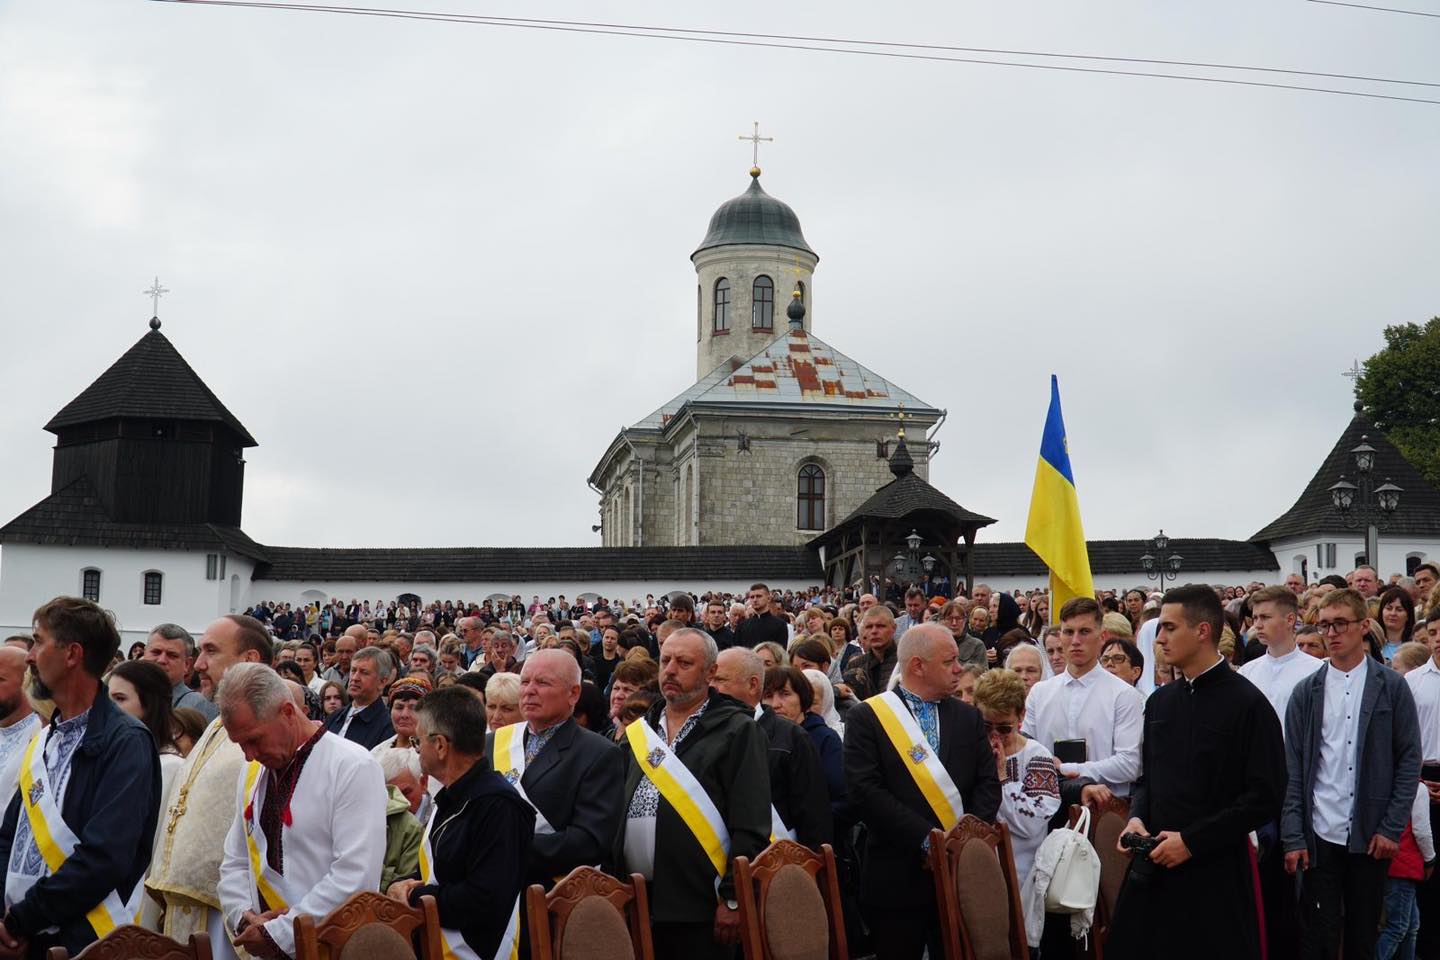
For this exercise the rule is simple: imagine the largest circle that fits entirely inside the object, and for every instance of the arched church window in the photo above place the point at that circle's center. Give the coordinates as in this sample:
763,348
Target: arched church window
153,583
810,498
722,306
762,304
90,585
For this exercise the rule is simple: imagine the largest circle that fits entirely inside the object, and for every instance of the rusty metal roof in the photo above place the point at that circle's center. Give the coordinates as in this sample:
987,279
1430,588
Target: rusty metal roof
797,368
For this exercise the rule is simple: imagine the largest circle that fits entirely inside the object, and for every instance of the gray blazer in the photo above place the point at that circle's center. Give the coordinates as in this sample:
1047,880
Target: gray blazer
1387,762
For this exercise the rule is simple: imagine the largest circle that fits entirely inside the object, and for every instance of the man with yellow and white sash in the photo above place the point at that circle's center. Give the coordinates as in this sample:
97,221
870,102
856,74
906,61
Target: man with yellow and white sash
190,838
571,776
916,758
697,792
309,830
77,832
472,857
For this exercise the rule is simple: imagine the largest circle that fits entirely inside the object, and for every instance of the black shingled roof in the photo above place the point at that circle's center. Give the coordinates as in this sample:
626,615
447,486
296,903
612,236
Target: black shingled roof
74,515
151,380
1315,513
1123,556
527,564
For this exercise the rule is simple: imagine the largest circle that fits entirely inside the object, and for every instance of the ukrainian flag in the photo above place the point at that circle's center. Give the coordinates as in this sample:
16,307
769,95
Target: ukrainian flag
1054,531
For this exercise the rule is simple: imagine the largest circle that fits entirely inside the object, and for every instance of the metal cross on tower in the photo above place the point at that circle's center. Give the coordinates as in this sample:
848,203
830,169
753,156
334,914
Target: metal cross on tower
155,293
755,141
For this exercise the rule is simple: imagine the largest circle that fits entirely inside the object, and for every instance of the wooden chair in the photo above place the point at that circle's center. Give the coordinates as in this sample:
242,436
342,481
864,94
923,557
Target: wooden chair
790,904
129,941
977,892
590,916
1107,822
370,926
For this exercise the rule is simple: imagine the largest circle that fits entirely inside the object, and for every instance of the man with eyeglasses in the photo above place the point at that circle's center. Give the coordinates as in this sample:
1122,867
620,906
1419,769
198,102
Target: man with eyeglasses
1353,748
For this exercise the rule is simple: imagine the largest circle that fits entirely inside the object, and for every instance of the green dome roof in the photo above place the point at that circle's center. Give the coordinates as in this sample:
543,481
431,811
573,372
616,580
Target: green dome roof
755,217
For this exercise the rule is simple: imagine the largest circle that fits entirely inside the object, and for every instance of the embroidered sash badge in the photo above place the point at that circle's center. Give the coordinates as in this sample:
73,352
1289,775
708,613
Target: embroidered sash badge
655,758
512,777
37,790
918,753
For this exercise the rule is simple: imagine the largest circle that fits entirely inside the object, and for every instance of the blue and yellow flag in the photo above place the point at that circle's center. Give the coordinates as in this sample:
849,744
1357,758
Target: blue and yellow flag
1054,530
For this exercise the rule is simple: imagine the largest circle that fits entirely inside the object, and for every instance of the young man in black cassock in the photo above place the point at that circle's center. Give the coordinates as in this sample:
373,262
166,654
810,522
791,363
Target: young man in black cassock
1214,769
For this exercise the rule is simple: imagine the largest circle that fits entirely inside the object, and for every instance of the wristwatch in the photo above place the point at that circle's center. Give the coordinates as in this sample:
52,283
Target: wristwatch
731,905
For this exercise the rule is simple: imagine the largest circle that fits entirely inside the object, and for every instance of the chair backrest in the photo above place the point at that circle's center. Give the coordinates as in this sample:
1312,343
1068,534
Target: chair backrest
369,926
1107,822
590,916
977,892
129,941
789,899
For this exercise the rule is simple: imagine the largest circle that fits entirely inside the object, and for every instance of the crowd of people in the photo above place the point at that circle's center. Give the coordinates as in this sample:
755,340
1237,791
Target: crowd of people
1276,750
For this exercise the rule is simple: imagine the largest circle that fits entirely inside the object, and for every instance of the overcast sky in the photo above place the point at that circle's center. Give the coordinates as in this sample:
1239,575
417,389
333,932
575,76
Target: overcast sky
434,268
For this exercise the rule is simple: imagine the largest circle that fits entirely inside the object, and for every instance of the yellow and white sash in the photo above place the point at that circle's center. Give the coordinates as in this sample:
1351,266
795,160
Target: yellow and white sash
273,887
682,791
509,762
909,741
453,945
56,842
778,830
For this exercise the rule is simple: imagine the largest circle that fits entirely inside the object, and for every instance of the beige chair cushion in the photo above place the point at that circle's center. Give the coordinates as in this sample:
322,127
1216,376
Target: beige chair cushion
375,941
596,931
796,927
984,901
1113,863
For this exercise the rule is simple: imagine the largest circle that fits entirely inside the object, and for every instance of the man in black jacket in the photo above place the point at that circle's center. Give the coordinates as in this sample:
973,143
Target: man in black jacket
571,776
716,626
762,625
897,891
869,673
367,720
709,743
477,841
95,781
798,794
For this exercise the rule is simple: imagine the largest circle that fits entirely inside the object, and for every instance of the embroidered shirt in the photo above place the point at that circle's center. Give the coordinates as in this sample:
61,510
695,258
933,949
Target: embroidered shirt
275,808
645,806
535,742
926,714
62,739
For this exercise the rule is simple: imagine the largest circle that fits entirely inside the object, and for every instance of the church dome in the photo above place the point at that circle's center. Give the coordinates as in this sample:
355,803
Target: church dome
755,217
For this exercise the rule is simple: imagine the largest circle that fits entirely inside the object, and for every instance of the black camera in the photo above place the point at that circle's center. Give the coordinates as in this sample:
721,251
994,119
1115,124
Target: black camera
1138,844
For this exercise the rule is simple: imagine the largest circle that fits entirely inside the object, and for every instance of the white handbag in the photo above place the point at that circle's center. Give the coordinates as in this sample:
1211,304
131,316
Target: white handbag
1075,884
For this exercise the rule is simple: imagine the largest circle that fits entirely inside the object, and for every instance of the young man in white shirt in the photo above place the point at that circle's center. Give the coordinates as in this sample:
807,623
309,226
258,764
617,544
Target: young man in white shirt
1275,611
1090,704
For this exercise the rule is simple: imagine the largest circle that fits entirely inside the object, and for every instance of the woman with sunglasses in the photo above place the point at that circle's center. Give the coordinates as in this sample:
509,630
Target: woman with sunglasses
1029,782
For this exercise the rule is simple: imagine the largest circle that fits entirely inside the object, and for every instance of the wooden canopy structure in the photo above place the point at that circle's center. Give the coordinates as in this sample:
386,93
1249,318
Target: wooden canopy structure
865,543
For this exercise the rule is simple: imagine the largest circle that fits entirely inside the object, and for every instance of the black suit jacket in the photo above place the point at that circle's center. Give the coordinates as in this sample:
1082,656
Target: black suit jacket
577,782
370,728
797,784
884,795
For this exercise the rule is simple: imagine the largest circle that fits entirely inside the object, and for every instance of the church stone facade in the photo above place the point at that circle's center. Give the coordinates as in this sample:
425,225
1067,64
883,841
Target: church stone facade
783,435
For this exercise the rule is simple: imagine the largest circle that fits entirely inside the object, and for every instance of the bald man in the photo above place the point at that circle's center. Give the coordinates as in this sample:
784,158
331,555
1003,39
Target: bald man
572,777
297,695
799,801
18,722
919,723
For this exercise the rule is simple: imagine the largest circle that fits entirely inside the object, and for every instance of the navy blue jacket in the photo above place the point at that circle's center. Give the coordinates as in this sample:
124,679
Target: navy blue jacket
111,804
370,728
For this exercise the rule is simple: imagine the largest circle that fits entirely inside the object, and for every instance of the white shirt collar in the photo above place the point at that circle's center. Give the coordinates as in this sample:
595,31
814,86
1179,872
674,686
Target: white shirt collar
1357,671
1089,678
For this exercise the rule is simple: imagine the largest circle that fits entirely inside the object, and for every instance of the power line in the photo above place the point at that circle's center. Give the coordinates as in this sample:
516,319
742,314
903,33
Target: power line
733,39
1366,6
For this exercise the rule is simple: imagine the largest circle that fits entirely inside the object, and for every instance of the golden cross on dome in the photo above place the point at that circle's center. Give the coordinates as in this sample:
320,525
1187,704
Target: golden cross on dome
899,414
755,141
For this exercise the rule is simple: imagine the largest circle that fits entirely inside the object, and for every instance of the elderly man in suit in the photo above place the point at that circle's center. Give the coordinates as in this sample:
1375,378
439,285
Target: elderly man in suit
893,741
1352,745
571,776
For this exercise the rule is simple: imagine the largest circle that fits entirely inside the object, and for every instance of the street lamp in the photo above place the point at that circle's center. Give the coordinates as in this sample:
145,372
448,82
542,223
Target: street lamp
1360,504
909,566
1161,565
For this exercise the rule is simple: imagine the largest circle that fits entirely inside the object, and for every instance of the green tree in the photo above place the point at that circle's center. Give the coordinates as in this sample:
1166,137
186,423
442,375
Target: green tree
1400,391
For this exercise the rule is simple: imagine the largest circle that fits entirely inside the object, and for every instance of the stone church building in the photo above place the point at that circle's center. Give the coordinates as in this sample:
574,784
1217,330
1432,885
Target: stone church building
782,435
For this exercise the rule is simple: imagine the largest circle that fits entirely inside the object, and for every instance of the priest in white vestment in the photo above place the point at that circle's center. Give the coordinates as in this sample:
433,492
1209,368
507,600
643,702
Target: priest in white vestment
190,837
310,811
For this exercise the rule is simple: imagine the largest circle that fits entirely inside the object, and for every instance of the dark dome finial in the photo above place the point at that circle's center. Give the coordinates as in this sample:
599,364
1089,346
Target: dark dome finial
901,462
1359,407
796,312
154,323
